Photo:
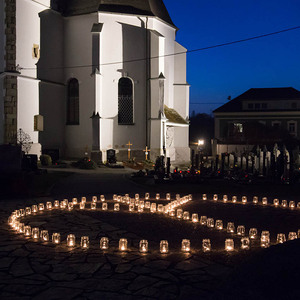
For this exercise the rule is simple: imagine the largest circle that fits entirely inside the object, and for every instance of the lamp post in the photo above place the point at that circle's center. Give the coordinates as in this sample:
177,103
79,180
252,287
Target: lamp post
200,147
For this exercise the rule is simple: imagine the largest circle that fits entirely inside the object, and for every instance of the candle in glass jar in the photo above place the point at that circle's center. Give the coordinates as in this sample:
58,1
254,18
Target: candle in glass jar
206,245
35,233
123,244
56,238
185,245
143,246
195,218
164,246
71,240
116,207
229,245
84,242
104,243
44,235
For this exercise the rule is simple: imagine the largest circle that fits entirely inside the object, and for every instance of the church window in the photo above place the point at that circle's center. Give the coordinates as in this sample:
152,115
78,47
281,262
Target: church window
125,101
73,102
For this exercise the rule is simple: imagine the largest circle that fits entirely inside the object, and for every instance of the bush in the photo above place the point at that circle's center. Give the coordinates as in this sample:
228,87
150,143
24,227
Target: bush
46,160
85,163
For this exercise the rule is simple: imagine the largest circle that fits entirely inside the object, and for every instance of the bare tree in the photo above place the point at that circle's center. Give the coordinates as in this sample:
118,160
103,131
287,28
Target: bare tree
24,140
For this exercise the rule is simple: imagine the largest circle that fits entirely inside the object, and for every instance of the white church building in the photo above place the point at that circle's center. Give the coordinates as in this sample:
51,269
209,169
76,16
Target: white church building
87,76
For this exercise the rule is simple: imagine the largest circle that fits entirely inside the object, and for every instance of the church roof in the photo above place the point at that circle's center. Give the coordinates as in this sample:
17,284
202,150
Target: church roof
173,116
137,7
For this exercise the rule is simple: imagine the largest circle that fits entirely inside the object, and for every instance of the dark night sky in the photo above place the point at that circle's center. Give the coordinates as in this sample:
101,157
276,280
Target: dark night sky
215,74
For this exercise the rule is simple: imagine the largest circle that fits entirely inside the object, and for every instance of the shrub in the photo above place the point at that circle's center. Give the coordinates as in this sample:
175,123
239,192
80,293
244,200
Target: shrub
85,163
46,160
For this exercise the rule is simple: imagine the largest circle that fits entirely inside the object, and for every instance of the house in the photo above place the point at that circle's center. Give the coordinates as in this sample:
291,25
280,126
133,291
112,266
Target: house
88,76
259,116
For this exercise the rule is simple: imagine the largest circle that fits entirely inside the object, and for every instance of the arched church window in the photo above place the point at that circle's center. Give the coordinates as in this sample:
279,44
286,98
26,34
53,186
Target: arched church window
125,101
73,102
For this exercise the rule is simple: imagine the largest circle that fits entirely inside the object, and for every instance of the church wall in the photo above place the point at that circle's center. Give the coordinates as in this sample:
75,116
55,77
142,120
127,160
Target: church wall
180,64
2,36
78,52
181,144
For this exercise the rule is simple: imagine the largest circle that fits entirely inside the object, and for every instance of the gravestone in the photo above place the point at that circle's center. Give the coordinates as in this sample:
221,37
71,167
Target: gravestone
111,156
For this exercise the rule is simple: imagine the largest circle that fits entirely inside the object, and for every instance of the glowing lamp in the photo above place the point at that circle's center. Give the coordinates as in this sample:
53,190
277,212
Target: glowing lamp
56,204
265,239
147,196
22,212
104,206
244,199
240,230
93,205
179,213
215,197
157,196
137,196
264,201
160,208
280,238
253,233
70,206
34,208
168,196
230,227
115,197
190,197
142,203
17,213
284,203
234,199
141,209
21,228
291,236
123,244
143,246
225,198
276,202
44,235
164,246
210,223
27,230
94,199
292,204
104,243
66,202
71,240
185,245
62,204
206,245
177,197
203,220
83,199
74,201
56,238
102,198
82,205
195,218
204,197
186,215
136,202
219,224
147,204
245,243
116,207
131,207
153,207
84,242
229,245
172,213
49,205
298,205
255,200
35,233
132,201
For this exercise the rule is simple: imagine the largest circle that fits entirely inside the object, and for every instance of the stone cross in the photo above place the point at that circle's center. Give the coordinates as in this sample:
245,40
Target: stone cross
146,152
129,150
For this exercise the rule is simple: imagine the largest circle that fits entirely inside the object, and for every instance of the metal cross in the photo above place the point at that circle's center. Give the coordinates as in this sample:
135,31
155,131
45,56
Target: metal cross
146,152
129,150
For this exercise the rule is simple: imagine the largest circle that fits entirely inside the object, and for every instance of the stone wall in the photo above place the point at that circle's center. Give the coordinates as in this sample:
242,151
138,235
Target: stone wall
10,82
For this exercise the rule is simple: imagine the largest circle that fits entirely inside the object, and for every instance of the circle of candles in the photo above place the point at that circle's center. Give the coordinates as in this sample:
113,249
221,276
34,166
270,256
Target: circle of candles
252,233
123,244
210,223
245,243
179,213
94,199
82,205
104,206
292,236
186,215
215,197
116,207
93,205
185,245
84,242
56,238
83,199
71,240
206,245
168,196
164,246
255,200
102,198
131,207
292,204
49,205
229,245
143,246
240,230
225,198
34,208
264,201
104,243
56,203
195,218
203,220
35,233
204,197
219,224
244,199
265,239
230,227
27,230
44,235
70,206
74,201
280,238
234,199
284,203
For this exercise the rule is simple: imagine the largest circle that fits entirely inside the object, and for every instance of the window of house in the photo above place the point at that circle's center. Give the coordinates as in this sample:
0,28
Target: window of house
264,105
276,124
294,105
257,105
250,105
125,101
73,102
292,129
235,129
36,51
